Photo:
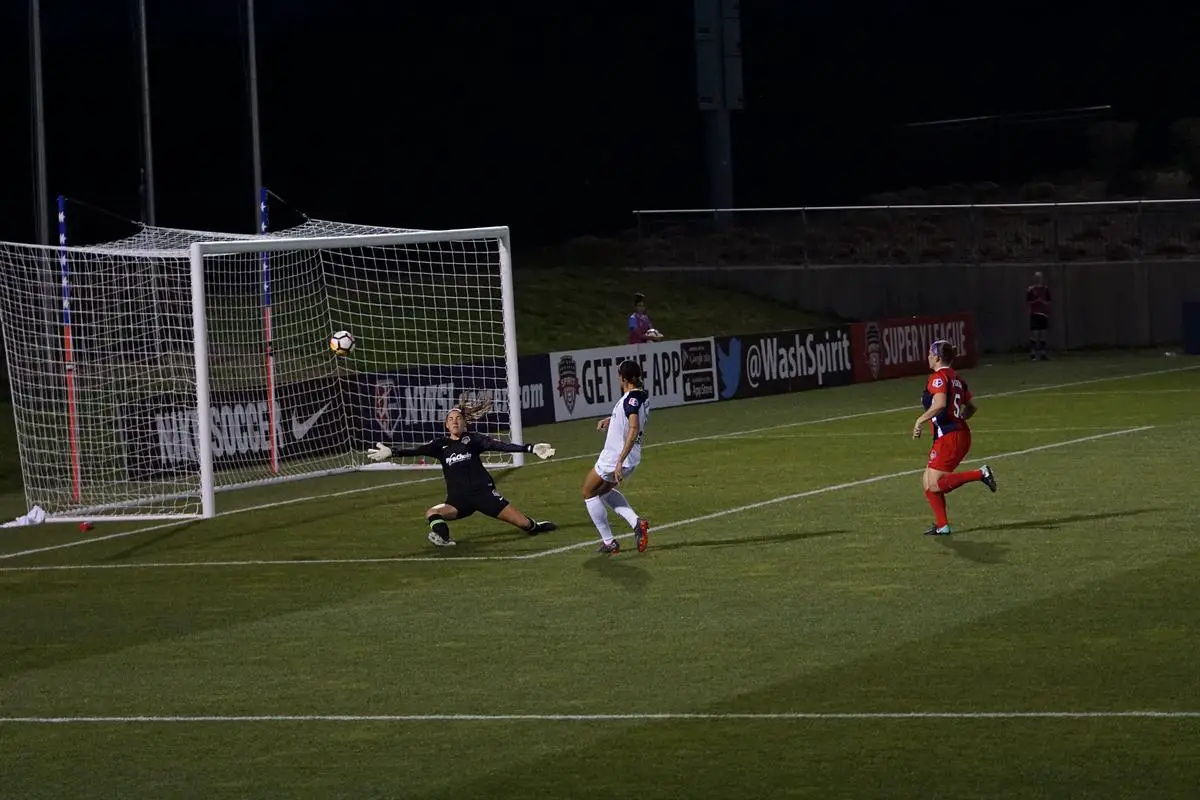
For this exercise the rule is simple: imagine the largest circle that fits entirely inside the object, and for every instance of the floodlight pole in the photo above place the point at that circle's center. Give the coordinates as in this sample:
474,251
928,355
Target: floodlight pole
718,49
256,149
147,146
41,190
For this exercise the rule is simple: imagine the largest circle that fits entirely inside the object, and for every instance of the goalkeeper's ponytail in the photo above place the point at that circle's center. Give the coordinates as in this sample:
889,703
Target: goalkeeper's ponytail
474,409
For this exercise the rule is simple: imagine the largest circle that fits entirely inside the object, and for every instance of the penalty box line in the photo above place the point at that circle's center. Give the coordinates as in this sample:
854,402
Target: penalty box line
815,716
577,545
689,440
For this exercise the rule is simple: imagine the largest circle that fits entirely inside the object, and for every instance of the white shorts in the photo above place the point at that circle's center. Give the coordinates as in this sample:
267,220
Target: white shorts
605,470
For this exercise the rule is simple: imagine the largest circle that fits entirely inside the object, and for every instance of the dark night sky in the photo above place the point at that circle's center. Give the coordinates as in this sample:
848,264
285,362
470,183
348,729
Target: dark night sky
558,118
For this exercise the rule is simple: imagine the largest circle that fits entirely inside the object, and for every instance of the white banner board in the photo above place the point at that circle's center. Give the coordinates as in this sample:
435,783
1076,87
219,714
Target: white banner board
677,373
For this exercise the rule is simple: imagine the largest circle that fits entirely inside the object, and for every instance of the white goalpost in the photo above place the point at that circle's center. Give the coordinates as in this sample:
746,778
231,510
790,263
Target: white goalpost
146,381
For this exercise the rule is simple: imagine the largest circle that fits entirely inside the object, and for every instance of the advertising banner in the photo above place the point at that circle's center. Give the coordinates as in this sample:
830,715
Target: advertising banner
411,406
763,364
677,373
317,417
161,432
894,348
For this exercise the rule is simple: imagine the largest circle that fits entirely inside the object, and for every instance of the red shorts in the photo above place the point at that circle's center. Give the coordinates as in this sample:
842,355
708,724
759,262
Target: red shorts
949,450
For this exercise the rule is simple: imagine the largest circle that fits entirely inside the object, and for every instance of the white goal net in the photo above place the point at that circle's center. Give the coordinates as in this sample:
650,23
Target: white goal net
153,237
113,350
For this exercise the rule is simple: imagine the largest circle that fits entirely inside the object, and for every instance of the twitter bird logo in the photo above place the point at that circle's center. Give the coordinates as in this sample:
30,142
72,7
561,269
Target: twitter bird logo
729,368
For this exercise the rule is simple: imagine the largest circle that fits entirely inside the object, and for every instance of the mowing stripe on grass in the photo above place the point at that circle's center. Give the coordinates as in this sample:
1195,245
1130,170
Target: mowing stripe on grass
577,545
690,440
848,485
649,717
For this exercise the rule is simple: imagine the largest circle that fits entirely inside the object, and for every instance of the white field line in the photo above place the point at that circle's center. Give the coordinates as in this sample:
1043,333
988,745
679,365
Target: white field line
861,414
565,548
905,434
646,717
1103,392
690,440
848,485
162,526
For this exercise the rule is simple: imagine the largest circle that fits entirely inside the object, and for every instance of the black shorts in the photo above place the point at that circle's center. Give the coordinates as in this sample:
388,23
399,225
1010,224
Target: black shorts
485,501
1038,322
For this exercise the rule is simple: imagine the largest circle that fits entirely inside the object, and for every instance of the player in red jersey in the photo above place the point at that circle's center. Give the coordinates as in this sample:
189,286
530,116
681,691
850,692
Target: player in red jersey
948,406
1038,298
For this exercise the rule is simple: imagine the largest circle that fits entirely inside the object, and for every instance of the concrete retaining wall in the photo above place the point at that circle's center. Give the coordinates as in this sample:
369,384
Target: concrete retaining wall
1097,304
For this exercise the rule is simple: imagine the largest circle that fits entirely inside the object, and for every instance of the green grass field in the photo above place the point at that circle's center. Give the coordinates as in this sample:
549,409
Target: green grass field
789,633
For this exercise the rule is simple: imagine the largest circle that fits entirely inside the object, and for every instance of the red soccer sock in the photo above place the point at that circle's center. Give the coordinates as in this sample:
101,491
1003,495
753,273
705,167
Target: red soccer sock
948,483
937,502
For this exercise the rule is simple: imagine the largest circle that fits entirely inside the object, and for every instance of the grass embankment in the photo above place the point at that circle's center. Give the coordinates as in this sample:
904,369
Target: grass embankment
562,309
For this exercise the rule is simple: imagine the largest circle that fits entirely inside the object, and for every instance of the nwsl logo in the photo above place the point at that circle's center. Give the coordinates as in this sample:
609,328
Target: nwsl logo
568,382
874,349
383,404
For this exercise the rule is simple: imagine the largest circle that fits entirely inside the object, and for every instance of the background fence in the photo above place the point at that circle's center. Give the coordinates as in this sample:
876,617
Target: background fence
931,234
1118,270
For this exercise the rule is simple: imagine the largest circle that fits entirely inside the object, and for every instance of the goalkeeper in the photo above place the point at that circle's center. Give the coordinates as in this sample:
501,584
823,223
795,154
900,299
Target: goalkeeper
469,486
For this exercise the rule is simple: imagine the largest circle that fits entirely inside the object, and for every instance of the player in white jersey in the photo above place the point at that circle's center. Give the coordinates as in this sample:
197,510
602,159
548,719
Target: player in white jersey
620,457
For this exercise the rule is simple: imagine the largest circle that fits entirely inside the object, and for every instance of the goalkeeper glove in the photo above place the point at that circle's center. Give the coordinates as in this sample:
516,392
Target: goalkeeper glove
380,452
541,450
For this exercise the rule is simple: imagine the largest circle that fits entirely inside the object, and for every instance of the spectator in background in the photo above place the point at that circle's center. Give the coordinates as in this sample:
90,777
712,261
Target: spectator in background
1038,298
641,329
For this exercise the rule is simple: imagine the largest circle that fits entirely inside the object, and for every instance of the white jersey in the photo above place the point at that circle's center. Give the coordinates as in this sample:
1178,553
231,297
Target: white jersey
635,402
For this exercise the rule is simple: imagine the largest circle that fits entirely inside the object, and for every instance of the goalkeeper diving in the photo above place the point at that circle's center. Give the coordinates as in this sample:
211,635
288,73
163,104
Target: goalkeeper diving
469,486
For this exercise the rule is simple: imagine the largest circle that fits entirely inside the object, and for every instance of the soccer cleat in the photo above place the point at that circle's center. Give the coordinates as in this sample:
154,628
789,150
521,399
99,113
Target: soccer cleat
934,530
989,477
545,526
437,539
641,534
611,548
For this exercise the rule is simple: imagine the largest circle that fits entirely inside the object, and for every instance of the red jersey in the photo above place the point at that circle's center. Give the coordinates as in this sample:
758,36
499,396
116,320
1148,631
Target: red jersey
946,381
1038,298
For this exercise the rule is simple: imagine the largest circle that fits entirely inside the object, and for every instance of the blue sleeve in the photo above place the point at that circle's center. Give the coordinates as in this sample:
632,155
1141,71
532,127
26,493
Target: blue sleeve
633,403
632,322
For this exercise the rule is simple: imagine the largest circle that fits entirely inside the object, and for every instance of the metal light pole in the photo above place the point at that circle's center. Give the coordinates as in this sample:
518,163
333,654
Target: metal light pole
256,154
41,192
718,49
147,145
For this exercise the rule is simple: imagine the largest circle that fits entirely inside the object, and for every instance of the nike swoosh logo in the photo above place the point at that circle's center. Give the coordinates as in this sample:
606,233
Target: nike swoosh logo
300,429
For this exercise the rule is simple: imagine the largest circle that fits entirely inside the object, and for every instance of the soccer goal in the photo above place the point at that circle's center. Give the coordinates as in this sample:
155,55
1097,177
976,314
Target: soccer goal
144,382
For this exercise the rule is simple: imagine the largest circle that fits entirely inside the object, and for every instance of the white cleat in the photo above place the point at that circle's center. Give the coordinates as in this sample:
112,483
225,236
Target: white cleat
437,539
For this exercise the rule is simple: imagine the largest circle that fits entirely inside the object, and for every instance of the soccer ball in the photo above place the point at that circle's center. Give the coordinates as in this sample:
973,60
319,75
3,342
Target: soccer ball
341,343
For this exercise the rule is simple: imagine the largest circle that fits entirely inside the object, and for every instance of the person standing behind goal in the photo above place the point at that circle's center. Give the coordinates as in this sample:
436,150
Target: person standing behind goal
1038,298
641,329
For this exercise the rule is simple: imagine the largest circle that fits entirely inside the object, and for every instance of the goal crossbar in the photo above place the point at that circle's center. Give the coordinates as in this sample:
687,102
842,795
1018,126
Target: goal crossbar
269,244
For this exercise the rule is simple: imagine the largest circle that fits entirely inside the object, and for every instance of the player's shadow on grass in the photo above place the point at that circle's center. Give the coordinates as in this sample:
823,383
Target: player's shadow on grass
146,544
1053,523
619,569
982,552
207,540
979,552
778,538
507,533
